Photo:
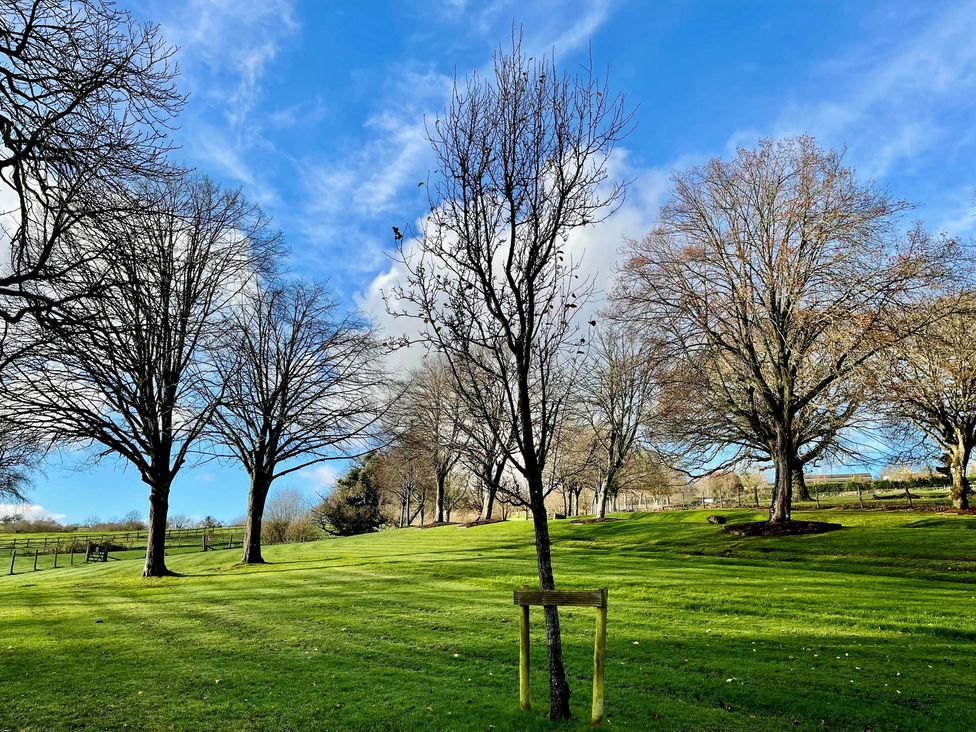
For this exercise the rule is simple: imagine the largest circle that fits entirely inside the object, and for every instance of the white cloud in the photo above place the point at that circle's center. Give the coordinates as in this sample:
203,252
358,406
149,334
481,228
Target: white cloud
30,512
322,477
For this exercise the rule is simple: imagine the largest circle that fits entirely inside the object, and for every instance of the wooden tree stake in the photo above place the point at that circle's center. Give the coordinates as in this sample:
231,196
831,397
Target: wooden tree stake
524,598
525,693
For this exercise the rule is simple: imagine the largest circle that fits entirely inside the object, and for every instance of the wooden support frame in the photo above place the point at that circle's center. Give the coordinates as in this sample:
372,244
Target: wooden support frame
597,599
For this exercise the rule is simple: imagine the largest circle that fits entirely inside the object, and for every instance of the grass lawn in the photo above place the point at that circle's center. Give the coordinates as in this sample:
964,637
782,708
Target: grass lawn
872,627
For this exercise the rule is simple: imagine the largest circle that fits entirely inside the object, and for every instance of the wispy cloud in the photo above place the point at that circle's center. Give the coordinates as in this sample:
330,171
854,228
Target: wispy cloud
352,203
893,104
226,47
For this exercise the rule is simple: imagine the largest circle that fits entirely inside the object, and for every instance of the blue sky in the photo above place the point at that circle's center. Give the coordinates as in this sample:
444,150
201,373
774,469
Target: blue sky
317,109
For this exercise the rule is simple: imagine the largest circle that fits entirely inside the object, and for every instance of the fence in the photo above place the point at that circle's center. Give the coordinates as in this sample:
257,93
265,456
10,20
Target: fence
31,554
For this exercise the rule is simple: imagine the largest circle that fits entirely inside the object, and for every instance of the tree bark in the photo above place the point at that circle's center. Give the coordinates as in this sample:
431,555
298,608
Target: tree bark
439,501
260,486
558,686
959,462
780,510
487,502
156,536
601,499
800,490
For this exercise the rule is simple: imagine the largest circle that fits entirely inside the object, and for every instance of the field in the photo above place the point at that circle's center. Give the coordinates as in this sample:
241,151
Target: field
872,627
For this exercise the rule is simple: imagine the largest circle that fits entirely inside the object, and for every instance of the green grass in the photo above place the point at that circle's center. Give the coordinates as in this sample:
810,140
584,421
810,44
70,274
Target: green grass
873,626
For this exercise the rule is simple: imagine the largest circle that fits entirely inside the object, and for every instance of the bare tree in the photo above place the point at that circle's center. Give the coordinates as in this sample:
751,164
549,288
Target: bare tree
127,369
404,478
618,400
521,162
483,451
776,276
927,382
298,385
429,418
282,509
85,100
575,465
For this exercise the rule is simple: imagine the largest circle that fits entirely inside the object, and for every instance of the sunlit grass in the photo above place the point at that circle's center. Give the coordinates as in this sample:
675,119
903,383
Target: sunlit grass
870,626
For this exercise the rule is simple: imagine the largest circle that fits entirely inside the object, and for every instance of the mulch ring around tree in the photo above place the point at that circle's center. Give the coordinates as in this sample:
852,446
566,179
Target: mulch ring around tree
594,520
435,524
480,522
786,528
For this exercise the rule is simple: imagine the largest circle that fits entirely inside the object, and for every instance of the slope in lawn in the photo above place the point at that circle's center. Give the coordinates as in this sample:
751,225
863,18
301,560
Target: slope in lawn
872,626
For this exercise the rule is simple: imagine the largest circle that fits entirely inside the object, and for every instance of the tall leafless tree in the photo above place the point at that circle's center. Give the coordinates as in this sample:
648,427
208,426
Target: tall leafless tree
521,163
428,418
298,384
618,400
127,370
927,383
776,276
86,97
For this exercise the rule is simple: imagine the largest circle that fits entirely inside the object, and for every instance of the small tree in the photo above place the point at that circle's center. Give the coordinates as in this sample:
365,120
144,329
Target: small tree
283,508
354,506
521,163
404,479
618,401
429,417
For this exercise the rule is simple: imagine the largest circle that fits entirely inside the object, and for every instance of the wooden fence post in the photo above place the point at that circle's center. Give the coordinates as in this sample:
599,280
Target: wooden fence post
525,689
599,661
13,556
57,550
72,555
35,559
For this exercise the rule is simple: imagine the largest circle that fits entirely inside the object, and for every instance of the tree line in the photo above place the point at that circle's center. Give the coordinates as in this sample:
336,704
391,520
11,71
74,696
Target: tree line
777,311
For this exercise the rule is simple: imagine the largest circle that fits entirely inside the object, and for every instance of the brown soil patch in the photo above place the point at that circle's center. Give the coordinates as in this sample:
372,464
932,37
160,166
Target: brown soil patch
479,522
594,521
788,528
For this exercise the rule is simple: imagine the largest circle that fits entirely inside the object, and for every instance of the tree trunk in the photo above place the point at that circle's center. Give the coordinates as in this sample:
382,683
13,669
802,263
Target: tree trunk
156,536
601,498
558,687
800,490
780,510
960,481
487,502
439,502
256,499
